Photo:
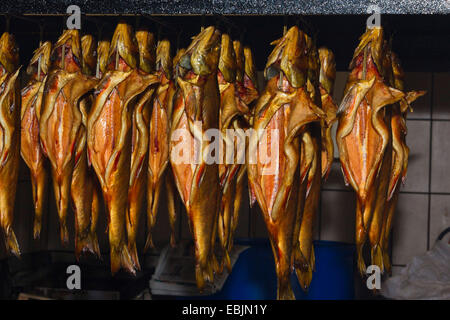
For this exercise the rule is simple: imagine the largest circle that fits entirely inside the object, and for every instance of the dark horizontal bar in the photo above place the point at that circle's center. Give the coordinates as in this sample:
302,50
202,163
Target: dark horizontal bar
229,7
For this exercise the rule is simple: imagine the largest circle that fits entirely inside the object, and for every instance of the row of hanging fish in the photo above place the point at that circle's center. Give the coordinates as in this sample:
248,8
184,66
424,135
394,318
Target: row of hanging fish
102,122
371,139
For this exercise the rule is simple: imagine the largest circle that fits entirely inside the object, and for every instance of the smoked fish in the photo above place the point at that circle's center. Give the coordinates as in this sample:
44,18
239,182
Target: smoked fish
109,136
140,120
30,145
282,114
10,100
363,133
159,177
60,121
196,110
84,189
312,143
400,153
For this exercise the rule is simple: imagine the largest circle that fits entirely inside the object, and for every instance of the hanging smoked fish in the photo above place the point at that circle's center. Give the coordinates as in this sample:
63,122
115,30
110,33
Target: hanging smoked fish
30,145
327,77
84,188
247,93
10,137
196,109
234,117
363,133
312,161
282,114
60,120
158,175
397,172
140,120
110,136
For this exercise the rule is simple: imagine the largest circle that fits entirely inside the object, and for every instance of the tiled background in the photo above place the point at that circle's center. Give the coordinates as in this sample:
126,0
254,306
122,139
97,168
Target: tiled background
423,208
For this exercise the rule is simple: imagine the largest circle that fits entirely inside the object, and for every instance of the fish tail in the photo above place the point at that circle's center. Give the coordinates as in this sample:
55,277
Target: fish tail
361,263
387,262
284,290
11,243
120,258
37,227
85,243
64,232
227,261
377,257
304,277
199,277
95,245
149,242
134,254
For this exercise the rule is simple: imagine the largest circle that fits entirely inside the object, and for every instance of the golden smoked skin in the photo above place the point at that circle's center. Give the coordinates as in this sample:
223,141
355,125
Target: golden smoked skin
282,114
110,137
9,138
139,144
84,188
196,109
363,135
60,121
236,91
159,145
397,173
30,145
318,147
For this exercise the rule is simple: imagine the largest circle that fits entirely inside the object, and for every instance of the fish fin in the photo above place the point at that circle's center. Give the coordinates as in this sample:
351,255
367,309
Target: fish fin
313,258
11,243
120,258
134,255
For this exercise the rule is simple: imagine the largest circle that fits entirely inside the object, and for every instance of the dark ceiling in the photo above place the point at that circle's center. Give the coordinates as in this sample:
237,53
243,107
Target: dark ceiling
421,41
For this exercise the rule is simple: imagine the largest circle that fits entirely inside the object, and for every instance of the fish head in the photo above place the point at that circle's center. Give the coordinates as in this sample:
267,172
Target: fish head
227,59
202,56
163,58
89,53
371,42
240,64
43,52
327,69
123,49
70,42
9,53
178,69
289,57
102,56
147,50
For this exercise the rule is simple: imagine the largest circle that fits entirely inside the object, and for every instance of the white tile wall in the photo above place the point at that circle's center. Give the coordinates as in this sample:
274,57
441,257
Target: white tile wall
410,227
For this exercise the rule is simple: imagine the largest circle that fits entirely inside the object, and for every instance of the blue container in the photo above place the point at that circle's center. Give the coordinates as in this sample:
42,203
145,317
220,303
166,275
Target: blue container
253,276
